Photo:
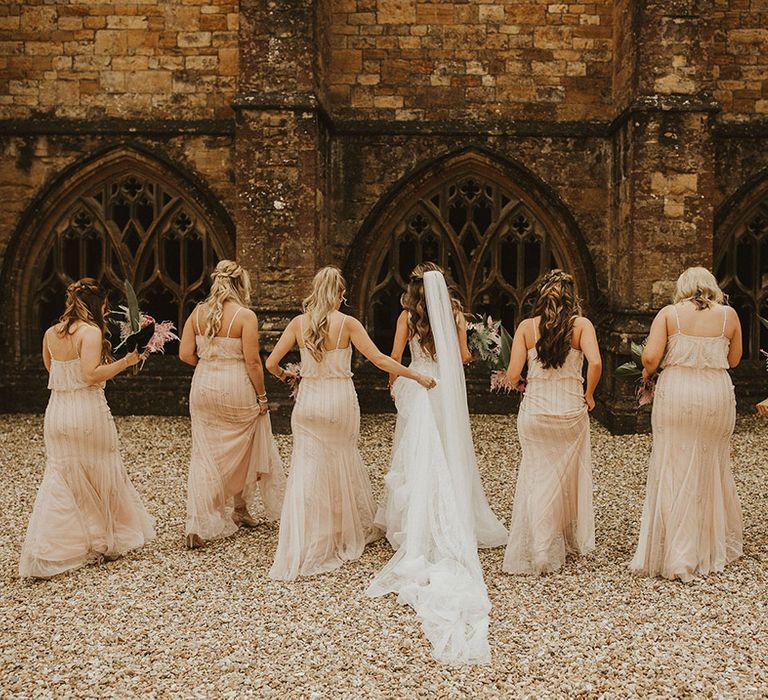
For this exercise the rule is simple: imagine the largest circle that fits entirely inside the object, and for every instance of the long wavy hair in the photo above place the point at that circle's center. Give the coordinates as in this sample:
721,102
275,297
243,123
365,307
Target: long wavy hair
558,306
86,302
229,282
328,286
414,302
698,285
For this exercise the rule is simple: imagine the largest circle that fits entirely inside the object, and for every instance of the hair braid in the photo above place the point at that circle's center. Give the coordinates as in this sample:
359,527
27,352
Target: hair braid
87,302
229,282
557,305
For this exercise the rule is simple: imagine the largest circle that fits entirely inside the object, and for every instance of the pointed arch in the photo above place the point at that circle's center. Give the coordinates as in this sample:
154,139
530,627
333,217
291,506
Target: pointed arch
123,212
741,258
487,219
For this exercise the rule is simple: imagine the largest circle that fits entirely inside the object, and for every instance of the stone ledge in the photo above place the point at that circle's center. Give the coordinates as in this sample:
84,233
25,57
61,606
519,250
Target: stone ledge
116,127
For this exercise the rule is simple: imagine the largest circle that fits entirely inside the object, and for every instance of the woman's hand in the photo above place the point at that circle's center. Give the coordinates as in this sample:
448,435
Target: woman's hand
263,407
647,375
427,382
132,358
590,401
762,408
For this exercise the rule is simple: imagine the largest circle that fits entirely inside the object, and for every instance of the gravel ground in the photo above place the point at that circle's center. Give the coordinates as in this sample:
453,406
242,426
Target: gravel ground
166,622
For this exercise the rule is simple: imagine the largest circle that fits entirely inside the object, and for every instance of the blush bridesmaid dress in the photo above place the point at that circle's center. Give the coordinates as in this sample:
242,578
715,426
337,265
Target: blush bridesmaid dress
691,523
234,456
328,516
552,514
86,507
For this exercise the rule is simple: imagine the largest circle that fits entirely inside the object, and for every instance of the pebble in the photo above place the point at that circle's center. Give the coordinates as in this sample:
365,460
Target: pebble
167,622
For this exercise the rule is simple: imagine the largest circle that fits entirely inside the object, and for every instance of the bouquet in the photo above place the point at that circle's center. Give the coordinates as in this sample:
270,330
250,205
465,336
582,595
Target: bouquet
139,331
634,370
293,370
491,342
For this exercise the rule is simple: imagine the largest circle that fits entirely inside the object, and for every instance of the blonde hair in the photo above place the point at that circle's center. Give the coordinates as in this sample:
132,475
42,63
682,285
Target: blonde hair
327,286
86,302
229,282
698,285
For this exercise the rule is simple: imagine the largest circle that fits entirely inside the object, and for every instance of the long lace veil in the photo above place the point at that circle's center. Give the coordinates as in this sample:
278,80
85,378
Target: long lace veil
449,402
436,569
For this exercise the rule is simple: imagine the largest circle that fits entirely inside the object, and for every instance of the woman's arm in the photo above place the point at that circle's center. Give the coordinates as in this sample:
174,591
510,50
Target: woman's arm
281,349
735,349
518,354
252,356
362,341
591,350
461,329
401,340
188,344
656,344
46,352
93,371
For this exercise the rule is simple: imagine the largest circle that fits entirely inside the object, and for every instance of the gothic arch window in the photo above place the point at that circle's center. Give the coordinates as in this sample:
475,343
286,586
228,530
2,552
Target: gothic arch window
129,218
492,241
742,271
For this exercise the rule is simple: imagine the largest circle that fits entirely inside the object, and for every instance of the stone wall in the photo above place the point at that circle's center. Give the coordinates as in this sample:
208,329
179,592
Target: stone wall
741,58
169,59
574,167
29,163
409,60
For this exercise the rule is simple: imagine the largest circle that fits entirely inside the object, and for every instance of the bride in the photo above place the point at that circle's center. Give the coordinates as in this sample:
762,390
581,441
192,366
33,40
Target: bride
436,513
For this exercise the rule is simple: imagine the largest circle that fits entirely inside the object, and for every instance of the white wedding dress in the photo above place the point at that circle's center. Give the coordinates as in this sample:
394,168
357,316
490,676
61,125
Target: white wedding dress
436,512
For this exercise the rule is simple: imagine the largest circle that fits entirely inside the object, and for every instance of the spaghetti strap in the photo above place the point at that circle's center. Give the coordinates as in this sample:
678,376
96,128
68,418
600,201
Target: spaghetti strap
677,316
341,330
229,330
725,319
196,319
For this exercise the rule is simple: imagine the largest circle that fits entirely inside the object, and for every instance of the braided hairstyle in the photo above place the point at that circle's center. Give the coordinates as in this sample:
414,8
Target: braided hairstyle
558,306
229,281
86,302
414,301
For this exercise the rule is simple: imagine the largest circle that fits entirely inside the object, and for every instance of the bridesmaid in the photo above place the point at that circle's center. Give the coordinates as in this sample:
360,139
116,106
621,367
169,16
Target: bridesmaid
86,508
552,514
234,455
691,523
328,513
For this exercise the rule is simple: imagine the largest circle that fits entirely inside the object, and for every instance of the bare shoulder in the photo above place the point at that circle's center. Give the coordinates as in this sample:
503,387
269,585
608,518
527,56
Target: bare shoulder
248,315
87,333
583,323
352,323
527,325
666,311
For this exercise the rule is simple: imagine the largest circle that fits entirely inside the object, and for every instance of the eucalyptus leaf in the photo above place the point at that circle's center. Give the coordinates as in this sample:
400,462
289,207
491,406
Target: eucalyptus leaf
506,347
133,307
628,369
764,321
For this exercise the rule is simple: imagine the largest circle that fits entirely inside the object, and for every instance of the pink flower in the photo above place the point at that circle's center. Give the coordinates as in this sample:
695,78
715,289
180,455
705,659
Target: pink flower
293,372
500,383
645,391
